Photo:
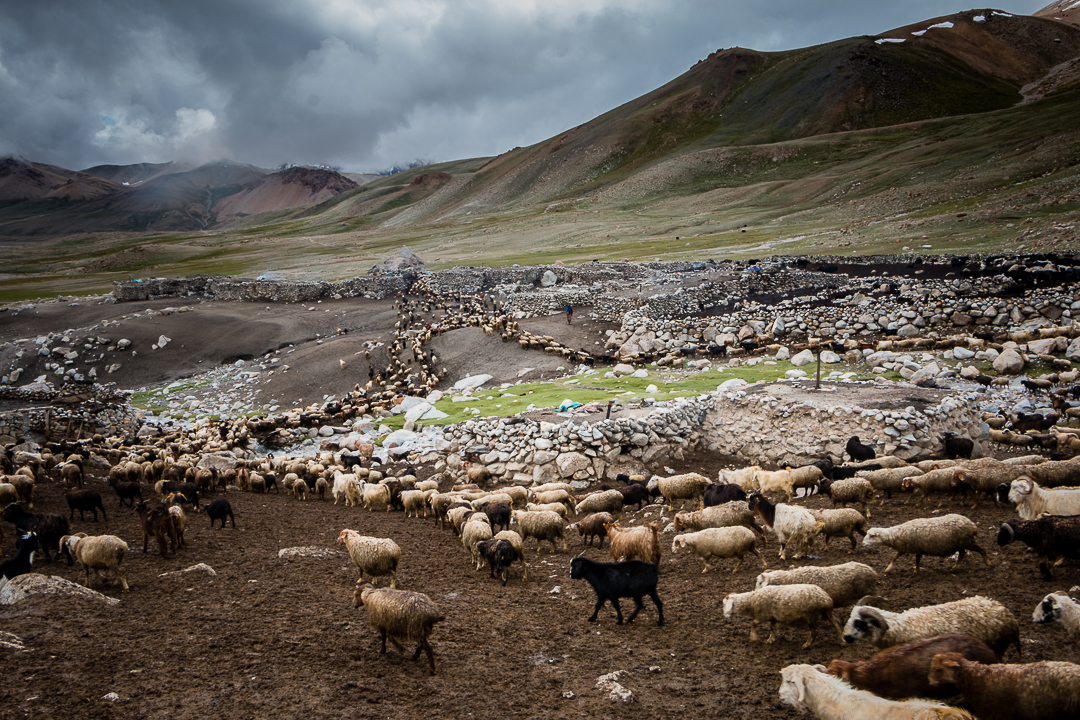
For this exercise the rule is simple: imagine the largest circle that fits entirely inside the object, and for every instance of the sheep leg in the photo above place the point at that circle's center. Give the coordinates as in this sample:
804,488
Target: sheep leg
426,647
705,564
524,569
918,559
985,557
959,558
893,562
836,624
772,633
753,631
382,633
738,565
854,544
123,578
393,580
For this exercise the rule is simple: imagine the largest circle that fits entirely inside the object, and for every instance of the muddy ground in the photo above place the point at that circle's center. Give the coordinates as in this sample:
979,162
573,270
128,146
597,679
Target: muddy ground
266,637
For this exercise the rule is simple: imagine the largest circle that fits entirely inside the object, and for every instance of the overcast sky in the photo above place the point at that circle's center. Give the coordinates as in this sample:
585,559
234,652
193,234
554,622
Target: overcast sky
365,84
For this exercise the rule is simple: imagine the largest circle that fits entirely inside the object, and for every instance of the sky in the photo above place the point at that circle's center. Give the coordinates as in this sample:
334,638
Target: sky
363,85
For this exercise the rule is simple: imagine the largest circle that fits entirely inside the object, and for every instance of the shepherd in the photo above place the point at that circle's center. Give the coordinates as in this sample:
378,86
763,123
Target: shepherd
569,313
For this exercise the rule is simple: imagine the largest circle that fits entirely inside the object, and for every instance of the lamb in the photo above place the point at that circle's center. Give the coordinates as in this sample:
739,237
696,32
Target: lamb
553,507
48,528
609,501
841,522
845,583
99,553
611,581
519,548
593,526
415,501
809,688
977,616
1035,691
843,492
725,542
71,473
775,482
23,561
938,481
84,500
802,605
1032,500
1053,537
542,525
730,514
889,480
377,557
300,490
179,519
219,510
476,529
858,451
1059,607
126,491
901,671
553,496
400,615
683,487
322,486
790,523
937,536
634,543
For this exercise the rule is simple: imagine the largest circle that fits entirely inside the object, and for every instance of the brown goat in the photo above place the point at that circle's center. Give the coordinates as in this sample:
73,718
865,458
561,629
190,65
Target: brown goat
159,523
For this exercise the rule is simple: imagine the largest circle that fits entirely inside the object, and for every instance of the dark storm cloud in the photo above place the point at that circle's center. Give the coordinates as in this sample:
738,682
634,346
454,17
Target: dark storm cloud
363,84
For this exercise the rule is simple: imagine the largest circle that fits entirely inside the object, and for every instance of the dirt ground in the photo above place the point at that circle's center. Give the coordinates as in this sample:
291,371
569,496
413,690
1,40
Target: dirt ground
267,637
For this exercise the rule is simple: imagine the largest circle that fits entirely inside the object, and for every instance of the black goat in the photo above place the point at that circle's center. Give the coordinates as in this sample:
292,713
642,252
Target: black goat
634,493
219,510
718,494
498,514
499,554
611,581
1053,537
858,451
846,472
23,562
84,500
957,447
126,491
48,528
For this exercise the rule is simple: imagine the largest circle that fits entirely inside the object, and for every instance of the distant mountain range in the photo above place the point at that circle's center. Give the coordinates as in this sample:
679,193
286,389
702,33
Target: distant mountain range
663,143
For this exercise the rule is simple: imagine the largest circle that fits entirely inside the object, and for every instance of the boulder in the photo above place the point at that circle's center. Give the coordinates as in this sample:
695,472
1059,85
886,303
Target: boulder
1009,362
548,279
571,463
803,358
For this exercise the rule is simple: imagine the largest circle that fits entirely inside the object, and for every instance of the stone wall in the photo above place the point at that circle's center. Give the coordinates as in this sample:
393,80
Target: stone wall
73,411
218,287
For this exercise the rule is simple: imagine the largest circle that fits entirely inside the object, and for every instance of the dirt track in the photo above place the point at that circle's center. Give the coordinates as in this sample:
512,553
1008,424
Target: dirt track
269,637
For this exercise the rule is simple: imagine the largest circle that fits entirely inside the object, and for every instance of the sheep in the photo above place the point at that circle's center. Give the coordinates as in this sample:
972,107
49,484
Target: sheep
476,529
24,486
845,583
719,494
478,474
729,514
611,581
843,492
802,605
321,488
497,497
938,480
1032,500
810,688
99,553
377,494
986,479
125,491
593,526
553,496
901,671
553,507
400,614
519,548
977,616
632,494
889,480
1059,607
84,500
547,487
8,493
219,510
634,543
458,514
377,557
542,525
858,451
725,542
775,482
300,489
805,477
499,555
498,514
683,487
792,524
179,519
48,528
743,477
518,495
159,524
354,493
415,501
26,545
609,501
1055,473
1053,537
429,484
71,473
937,536
1035,691
841,522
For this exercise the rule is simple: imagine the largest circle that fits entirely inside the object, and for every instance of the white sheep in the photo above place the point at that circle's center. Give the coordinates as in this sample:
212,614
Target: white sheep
774,482
793,525
1032,500
553,496
534,491
610,501
841,522
553,507
845,583
98,553
729,514
475,529
377,557
415,501
400,614
689,486
376,494
805,477
743,477
1059,607
497,497
889,480
800,605
811,689
354,493
855,490
727,542
341,483
980,617
937,481
937,536
542,525
518,495
428,484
